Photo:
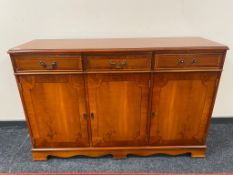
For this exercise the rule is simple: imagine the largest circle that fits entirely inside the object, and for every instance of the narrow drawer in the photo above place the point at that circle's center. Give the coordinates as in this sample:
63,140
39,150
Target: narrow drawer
48,63
188,61
119,62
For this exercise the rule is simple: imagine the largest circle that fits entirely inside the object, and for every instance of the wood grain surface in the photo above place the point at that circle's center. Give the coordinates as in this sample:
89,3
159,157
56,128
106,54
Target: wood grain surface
119,44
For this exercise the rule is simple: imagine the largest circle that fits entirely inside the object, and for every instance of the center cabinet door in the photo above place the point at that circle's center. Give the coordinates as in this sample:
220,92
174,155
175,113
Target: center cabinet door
54,105
182,106
118,109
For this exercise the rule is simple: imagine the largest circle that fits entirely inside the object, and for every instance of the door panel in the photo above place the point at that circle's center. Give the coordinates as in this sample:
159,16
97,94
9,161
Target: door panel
54,105
119,103
182,103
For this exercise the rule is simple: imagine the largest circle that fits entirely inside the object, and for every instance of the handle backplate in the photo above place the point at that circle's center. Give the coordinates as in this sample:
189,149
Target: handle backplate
181,61
194,61
43,64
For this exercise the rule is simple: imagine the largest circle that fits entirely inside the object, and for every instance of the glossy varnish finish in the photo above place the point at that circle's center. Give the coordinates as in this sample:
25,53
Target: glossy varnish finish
181,103
118,96
116,44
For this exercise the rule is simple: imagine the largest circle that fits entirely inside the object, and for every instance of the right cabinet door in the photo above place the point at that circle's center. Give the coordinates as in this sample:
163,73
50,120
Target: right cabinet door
181,107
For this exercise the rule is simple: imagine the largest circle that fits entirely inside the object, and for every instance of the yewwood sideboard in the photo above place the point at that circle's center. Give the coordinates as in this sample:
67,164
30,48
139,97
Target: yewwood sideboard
139,96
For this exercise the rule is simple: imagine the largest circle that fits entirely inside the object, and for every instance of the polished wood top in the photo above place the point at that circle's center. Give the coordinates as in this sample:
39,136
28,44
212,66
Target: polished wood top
116,44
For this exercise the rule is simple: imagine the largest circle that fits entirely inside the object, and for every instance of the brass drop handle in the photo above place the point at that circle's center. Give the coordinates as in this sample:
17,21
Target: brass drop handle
113,63
54,65
92,116
181,61
194,61
118,66
43,64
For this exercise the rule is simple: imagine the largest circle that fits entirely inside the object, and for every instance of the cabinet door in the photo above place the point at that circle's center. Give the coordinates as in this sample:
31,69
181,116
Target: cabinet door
182,106
55,105
119,108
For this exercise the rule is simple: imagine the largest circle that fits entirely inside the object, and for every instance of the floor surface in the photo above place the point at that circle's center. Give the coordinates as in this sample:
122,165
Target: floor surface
15,156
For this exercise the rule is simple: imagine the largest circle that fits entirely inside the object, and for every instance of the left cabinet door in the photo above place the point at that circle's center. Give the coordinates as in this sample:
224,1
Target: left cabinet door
56,110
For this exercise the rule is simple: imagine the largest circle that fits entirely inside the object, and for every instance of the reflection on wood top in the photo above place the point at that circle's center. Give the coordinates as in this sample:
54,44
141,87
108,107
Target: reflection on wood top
116,44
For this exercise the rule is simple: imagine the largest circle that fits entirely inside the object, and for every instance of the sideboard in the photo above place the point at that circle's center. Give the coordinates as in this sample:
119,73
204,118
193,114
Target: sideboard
139,96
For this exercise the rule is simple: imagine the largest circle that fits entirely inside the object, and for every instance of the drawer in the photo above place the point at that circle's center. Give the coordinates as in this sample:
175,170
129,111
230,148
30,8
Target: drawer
47,63
188,61
119,62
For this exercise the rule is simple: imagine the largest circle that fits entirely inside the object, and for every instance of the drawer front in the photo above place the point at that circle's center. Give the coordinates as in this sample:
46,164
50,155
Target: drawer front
188,61
47,63
119,62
